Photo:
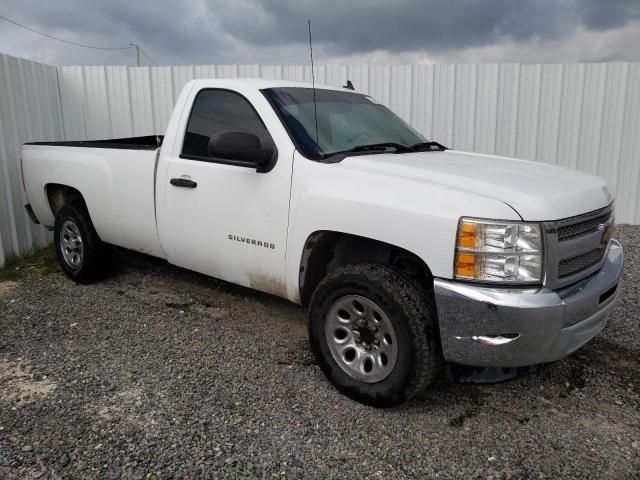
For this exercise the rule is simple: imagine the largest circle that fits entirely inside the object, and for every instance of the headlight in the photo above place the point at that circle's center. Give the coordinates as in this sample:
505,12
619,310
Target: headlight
489,251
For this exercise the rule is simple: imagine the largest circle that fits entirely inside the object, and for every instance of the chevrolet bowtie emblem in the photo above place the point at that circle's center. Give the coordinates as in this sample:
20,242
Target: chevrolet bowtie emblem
607,233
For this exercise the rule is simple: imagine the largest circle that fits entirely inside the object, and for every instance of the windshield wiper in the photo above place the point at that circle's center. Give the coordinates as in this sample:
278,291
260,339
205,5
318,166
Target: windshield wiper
382,146
429,146
374,147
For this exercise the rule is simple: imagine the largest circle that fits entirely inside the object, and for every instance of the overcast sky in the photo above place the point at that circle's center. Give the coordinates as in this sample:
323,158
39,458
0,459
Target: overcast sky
179,32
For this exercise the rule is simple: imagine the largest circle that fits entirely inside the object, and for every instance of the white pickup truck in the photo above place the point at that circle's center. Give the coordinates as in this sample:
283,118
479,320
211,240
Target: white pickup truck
405,252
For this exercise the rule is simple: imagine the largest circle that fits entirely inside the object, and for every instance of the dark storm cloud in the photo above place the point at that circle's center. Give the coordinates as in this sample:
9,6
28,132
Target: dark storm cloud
275,31
164,26
360,26
606,14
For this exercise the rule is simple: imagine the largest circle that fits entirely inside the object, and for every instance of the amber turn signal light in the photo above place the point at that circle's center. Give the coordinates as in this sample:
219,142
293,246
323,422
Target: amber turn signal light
465,265
467,236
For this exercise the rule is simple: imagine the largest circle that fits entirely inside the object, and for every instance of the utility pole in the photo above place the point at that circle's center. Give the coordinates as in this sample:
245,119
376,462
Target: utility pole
137,53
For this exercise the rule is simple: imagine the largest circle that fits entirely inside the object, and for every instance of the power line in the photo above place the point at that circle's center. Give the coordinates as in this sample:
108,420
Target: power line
146,55
61,40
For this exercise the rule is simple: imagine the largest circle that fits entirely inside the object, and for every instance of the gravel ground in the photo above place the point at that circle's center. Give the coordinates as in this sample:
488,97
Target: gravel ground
158,372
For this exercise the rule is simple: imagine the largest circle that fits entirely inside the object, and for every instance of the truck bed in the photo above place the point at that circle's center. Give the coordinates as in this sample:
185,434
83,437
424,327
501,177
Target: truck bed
117,181
148,142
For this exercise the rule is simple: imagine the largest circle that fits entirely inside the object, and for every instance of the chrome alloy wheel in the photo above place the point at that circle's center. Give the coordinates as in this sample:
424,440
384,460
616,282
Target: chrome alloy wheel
361,338
71,244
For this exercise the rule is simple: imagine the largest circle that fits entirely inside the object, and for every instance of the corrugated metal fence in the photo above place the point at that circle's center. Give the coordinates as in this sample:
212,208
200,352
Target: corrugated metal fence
29,110
582,116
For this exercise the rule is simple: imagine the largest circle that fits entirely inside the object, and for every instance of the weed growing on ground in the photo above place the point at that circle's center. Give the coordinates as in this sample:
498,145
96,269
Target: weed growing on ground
40,260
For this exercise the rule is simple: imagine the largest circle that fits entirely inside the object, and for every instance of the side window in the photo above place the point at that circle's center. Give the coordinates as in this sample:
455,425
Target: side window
218,111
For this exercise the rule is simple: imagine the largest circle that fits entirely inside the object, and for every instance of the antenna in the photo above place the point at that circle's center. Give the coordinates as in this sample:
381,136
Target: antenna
313,83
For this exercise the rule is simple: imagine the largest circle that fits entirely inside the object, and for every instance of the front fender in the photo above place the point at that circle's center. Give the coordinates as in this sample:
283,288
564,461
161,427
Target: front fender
418,216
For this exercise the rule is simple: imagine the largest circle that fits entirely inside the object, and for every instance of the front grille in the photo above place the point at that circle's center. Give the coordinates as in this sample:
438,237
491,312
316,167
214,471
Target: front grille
571,266
582,228
575,246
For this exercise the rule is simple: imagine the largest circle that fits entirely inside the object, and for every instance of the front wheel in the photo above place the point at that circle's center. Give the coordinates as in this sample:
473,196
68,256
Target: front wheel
83,257
373,333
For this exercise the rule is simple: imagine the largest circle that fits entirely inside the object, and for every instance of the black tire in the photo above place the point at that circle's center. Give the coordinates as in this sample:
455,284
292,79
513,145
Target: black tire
413,320
93,262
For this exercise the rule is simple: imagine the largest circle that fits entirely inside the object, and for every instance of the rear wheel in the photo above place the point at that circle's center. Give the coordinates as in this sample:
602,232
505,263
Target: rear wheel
83,257
373,333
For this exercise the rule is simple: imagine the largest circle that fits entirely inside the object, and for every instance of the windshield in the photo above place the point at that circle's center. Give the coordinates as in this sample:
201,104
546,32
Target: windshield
346,121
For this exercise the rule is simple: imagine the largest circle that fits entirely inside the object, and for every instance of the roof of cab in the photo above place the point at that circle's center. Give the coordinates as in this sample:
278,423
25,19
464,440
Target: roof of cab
263,83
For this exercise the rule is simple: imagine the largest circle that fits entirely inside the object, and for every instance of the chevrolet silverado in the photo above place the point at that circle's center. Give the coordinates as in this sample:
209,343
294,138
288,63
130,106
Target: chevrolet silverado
406,254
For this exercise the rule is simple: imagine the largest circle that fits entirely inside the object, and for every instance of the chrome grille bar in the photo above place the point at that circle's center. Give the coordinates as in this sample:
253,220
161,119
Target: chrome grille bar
576,246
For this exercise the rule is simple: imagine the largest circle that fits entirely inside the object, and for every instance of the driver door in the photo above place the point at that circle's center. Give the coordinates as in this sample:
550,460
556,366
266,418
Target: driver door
220,218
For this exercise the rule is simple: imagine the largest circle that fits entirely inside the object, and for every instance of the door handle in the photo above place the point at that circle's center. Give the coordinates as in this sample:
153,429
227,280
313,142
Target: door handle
183,182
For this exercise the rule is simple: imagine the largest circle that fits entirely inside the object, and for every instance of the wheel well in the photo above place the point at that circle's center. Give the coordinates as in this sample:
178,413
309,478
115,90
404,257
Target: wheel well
62,195
324,251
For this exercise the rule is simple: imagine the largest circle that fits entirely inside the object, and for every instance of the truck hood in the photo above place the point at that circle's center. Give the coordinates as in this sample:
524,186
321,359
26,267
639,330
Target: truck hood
536,191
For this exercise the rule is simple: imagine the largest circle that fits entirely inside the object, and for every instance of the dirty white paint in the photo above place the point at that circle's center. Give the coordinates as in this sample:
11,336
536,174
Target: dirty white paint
582,116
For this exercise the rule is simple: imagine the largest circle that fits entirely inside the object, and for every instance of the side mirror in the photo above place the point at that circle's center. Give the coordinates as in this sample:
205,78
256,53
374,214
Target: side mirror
242,147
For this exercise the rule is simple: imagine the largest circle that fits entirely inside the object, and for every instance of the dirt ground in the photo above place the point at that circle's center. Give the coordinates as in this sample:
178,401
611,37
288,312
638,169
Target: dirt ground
157,372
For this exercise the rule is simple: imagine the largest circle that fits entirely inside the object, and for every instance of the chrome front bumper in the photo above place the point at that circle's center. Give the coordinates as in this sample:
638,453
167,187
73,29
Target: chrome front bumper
513,327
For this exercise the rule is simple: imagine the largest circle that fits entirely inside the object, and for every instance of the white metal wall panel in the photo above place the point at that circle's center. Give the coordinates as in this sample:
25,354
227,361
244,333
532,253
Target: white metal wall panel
612,122
422,97
358,74
464,113
628,198
528,110
162,96
443,104
570,115
591,120
400,100
379,83
549,114
582,116
294,73
72,87
275,72
181,76
96,101
29,111
507,114
486,103
332,74
250,71
141,105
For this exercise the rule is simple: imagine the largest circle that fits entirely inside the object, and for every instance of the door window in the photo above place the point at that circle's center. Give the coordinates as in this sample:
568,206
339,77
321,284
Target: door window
217,111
